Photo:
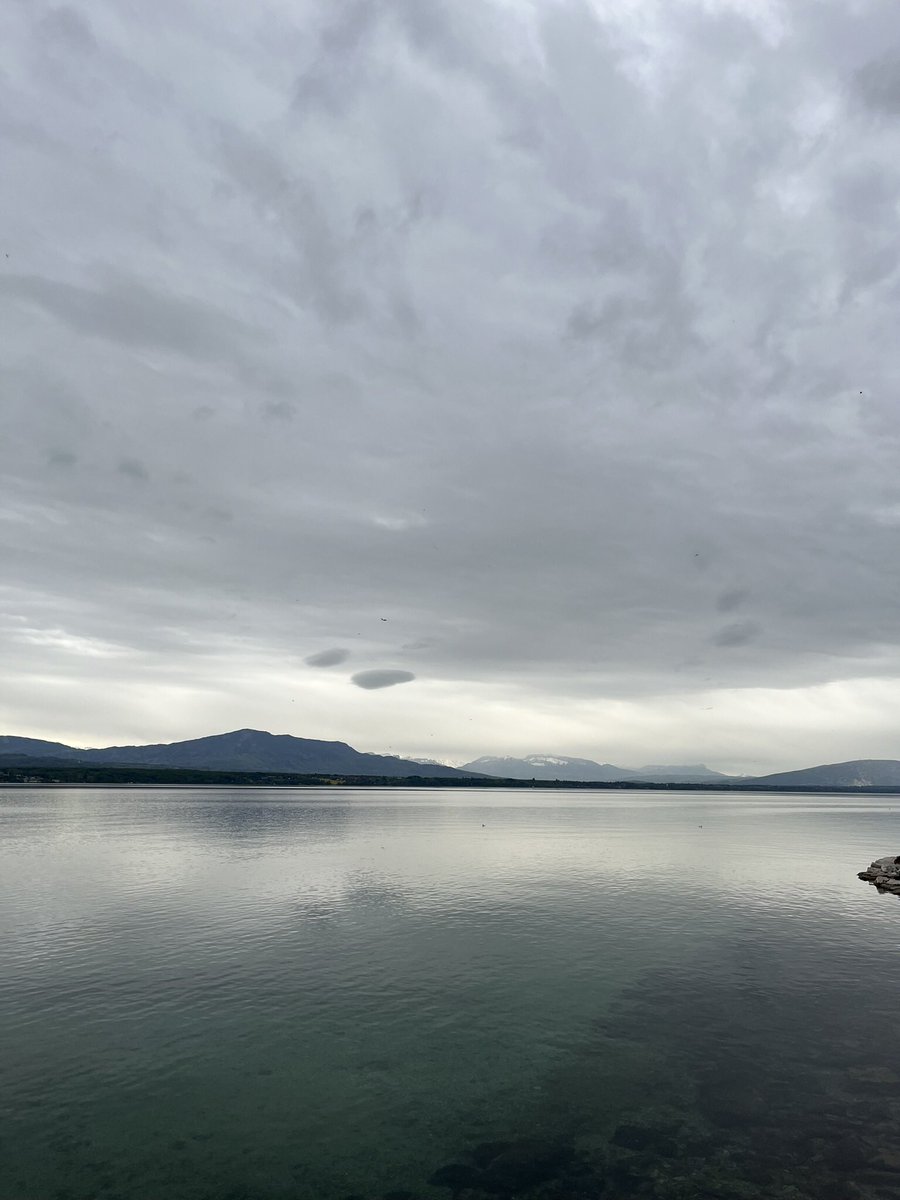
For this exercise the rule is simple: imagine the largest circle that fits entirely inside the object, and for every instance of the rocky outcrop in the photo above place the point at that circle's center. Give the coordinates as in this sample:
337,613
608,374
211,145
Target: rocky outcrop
884,873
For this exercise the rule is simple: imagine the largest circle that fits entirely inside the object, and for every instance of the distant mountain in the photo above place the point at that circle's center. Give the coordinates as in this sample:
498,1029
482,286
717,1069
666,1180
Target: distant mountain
861,772
674,773
549,766
35,748
243,750
22,761
253,750
585,770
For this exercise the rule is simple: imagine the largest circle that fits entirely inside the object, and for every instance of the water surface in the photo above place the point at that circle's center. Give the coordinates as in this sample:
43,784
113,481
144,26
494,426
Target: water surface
267,993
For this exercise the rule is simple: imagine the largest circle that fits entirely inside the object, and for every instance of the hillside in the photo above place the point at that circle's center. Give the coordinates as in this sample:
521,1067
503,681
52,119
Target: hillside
562,767
859,772
242,750
690,773
546,766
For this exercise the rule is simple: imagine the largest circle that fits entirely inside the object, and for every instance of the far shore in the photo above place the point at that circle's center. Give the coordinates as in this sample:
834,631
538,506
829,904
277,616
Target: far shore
169,777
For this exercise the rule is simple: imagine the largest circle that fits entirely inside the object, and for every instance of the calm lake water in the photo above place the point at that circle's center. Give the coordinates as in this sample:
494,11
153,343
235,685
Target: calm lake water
283,994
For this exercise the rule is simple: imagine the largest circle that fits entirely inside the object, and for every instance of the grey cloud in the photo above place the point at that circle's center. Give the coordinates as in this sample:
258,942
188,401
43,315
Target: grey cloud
430,28
69,28
127,311
279,410
731,599
645,319
134,469
317,273
878,83
381,678
585,322
328,658
342,38
572,314
222,516
740,633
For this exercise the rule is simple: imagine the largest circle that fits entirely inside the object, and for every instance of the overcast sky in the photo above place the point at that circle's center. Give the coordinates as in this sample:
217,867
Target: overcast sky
453,377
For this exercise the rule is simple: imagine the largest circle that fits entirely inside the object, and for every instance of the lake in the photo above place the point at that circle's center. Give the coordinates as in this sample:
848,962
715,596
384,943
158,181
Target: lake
324,993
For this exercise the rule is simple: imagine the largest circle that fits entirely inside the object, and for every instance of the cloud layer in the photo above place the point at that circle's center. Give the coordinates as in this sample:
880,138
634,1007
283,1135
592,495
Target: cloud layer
547,350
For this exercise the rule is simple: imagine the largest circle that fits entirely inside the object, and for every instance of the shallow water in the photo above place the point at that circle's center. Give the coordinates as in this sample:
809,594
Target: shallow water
227,993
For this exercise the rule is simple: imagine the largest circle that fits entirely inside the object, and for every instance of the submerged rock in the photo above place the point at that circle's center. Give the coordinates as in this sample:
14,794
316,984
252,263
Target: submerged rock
524,1165
485,1153
525,1169
884,873
643,1137
456,1176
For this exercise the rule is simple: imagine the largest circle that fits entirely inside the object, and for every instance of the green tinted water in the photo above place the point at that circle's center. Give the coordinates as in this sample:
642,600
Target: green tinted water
315,994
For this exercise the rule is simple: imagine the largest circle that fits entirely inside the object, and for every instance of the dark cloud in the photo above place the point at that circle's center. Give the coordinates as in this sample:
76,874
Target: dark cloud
279,410
584,322
127,311
327,658
381,678
738,634
134,469
878,83
731,599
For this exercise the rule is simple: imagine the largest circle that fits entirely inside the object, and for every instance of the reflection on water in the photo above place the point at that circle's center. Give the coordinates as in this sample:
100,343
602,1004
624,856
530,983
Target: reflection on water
268,994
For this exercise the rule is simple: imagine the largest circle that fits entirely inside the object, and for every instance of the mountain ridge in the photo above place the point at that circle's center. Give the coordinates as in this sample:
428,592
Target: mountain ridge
586,770
254,750
856,772
239,750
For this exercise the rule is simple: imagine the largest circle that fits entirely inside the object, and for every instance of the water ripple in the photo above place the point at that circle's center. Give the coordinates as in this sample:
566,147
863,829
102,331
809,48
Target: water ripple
310,994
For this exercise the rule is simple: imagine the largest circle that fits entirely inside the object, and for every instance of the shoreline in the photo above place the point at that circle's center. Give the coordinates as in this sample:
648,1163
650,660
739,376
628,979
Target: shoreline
114,777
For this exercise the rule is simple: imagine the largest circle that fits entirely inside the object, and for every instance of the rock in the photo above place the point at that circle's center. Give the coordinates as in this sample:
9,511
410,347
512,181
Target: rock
838,1189
485,1153
847,1154
642,1137
884,873
627,1177
524,1165
456,1176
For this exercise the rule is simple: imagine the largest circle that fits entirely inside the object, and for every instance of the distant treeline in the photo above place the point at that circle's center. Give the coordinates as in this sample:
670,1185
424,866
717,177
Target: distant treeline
69,775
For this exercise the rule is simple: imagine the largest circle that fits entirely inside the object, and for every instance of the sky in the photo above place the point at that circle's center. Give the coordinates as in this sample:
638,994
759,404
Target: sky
452,378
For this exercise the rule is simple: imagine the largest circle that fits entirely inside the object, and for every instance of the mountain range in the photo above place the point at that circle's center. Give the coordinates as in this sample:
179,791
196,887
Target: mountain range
242,750
861,773
585,770
254,750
